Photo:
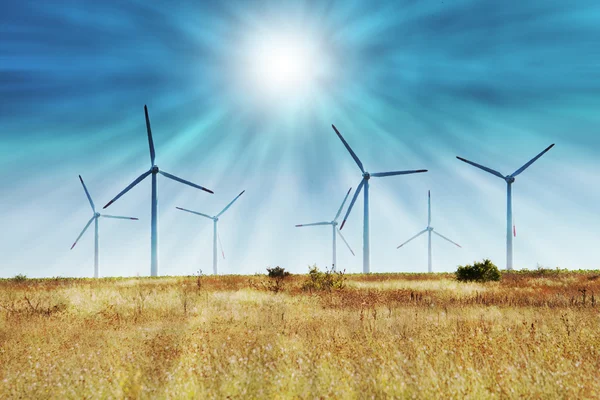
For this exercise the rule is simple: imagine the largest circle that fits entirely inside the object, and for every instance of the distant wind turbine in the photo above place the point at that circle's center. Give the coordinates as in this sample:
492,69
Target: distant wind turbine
334,227
94,218
509,218
215,219
365,183
154,221
429,231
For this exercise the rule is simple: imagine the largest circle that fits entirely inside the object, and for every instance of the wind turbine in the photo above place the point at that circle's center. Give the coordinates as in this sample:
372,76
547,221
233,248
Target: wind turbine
215,235
365,183
154,210
94,218
429,231
334,227
509,181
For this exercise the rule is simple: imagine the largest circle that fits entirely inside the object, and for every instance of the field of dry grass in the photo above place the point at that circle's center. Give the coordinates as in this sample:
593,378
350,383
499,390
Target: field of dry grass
532,335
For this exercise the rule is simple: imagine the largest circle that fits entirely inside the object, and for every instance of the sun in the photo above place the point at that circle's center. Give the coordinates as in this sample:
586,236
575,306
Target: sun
281,65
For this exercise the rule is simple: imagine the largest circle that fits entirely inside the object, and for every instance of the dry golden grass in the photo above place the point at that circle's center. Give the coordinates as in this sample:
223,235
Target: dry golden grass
383,336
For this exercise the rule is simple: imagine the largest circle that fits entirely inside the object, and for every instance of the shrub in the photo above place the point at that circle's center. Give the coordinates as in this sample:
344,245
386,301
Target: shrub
543,271
276,275
20,278
318,280
480,272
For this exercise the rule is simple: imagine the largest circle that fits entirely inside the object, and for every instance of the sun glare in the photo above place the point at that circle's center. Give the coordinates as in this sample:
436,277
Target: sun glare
283,66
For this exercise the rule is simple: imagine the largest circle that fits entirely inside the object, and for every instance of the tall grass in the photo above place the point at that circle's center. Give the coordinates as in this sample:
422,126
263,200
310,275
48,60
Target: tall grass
424,336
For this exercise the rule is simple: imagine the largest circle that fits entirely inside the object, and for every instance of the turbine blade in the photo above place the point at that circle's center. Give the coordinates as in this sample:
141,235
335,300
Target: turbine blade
313,224
128,188
195,212
150,141
175,178
534,159
342,206
349,149
87,194
444,237
344,239
428,208
117,217
229,205
414,237
491,171
358,190
83,231
381,174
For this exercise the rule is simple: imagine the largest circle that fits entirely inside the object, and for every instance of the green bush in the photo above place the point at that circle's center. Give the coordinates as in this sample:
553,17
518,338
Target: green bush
480,272
329,280
20,278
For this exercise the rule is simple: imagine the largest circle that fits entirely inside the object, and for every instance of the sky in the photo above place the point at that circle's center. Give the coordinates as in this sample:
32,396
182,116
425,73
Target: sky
242,95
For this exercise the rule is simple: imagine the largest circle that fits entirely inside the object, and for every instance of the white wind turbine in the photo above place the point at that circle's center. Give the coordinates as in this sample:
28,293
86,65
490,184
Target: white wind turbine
509,181
364,183
154,210
429,231
334,229
215,219
94,218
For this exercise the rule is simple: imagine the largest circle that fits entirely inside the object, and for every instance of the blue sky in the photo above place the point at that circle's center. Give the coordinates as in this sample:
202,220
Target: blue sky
410,84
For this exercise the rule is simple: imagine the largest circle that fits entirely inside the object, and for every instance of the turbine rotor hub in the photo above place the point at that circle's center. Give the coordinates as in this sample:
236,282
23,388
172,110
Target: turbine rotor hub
96,214
154,169
366,175
509,179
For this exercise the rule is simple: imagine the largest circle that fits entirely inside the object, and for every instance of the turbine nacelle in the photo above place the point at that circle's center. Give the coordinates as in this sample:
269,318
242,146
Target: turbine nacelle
154,169
366,175
97,214
509,179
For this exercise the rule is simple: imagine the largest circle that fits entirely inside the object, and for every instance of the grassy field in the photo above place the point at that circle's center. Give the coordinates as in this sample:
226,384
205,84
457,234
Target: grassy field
532,335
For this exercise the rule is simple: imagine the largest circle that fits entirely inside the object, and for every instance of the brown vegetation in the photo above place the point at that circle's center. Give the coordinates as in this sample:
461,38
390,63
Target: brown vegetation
533,335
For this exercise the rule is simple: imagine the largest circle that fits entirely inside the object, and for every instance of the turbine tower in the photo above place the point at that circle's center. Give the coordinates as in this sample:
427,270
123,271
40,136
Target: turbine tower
154,170
334,228
215,234
364,183
429,231
94,218
509,181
